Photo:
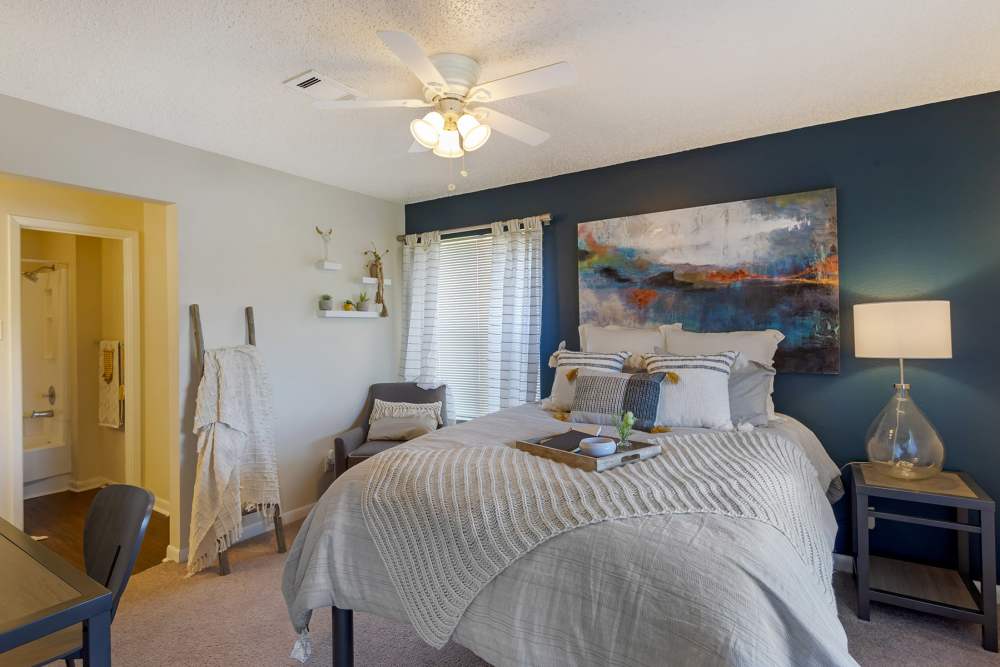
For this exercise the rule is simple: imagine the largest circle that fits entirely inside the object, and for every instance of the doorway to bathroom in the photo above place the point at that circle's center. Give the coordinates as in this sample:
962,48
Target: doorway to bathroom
80,374
95,272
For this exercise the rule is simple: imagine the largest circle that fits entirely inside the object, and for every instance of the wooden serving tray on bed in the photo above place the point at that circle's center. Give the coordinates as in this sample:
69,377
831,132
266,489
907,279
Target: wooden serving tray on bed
563,447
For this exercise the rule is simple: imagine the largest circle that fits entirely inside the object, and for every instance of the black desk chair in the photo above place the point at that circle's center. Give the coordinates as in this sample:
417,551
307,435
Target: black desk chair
112,537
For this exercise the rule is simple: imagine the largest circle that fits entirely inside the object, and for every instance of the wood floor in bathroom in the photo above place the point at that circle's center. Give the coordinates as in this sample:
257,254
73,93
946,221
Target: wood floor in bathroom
61,516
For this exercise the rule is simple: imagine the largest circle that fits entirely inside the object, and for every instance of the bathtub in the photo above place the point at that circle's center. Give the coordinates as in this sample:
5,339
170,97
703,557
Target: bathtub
46,448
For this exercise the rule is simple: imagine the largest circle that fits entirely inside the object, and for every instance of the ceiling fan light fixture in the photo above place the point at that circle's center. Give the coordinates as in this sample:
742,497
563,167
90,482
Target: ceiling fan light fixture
427,130
466,123
449,145
476,137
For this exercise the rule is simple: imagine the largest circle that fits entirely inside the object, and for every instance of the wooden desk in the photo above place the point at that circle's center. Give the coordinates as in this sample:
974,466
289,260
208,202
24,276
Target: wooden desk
43,594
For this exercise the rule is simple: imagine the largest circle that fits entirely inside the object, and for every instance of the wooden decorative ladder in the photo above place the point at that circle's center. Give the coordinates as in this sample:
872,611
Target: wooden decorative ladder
199,342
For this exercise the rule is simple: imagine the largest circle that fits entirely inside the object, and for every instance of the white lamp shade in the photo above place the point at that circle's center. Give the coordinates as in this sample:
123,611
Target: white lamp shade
476,137
903,330
427,130
466,122
448,145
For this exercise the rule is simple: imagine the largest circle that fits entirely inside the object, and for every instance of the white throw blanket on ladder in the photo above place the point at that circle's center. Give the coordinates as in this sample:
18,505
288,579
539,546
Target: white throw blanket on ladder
237,464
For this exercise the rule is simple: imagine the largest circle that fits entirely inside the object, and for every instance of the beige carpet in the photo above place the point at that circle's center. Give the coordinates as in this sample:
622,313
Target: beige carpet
165,619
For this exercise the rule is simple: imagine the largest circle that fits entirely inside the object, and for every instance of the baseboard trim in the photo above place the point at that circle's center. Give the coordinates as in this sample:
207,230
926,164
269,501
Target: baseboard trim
161,506
79,485
843,563
253,526
176,554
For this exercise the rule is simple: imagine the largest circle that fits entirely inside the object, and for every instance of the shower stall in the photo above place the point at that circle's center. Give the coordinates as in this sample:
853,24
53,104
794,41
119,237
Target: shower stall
45,359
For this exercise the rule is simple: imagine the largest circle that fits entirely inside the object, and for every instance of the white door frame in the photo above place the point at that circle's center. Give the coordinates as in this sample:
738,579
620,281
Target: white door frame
11,447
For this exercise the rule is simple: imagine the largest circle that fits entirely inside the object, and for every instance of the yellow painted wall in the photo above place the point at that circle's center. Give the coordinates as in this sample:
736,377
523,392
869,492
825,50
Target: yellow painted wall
156,225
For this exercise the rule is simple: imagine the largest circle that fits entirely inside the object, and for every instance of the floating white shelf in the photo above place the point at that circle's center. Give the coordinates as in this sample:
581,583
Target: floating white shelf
346,313
328,266
367,280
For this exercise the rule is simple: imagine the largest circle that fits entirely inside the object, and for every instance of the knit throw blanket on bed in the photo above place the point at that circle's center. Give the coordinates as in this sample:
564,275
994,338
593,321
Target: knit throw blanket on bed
237,464
447,521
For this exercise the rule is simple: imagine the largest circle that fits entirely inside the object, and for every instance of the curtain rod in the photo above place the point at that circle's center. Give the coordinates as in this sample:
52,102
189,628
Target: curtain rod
545,217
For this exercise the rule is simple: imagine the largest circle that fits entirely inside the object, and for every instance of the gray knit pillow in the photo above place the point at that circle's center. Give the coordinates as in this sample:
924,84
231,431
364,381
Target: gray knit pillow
601,398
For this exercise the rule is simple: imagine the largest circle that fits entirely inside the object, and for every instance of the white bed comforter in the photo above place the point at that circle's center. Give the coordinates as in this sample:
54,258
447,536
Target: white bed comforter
686,589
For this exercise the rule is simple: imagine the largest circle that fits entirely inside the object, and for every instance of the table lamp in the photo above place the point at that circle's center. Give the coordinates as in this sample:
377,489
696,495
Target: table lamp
901,441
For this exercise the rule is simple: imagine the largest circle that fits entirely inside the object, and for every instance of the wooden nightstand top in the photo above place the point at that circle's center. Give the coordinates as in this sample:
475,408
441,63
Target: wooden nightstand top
946,488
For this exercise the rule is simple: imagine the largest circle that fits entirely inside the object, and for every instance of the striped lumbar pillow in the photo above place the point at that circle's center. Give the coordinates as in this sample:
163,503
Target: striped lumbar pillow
700,396
602,397
568,364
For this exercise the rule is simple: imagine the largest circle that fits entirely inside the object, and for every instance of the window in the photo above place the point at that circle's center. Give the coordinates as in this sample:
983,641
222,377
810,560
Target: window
463,315
474,309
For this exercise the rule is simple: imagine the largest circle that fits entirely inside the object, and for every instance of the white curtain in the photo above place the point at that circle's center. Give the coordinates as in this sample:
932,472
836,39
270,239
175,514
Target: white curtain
421,266
515,312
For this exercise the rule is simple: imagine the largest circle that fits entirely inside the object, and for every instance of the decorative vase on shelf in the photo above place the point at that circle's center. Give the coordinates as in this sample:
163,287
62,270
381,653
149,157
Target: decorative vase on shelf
902,442
326,303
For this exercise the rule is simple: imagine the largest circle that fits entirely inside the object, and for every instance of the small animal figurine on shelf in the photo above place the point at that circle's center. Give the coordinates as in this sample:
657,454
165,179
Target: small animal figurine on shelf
375,271
327,236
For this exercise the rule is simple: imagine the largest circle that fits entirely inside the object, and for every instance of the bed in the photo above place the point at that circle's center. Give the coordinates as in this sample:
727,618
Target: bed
699,587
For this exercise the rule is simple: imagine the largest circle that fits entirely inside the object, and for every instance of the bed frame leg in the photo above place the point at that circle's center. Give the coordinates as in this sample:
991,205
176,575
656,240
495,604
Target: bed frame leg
343,637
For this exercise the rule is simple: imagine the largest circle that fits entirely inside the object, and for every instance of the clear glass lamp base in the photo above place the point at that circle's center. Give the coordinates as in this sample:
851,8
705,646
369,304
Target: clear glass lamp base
902,442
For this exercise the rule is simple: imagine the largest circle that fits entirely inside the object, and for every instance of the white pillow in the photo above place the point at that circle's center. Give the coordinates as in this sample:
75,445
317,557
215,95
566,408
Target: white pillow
698,394
613,338
759,346
568,365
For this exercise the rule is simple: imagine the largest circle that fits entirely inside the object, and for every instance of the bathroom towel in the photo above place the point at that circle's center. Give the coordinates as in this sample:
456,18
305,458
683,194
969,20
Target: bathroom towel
110,406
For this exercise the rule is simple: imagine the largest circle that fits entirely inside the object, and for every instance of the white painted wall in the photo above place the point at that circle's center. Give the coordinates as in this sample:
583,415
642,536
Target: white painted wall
245,237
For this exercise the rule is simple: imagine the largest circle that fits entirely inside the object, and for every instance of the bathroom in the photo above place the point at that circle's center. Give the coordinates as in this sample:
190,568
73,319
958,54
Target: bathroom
71,301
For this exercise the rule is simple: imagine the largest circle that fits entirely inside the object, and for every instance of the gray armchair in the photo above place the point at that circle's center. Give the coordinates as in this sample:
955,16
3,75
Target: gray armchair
353,446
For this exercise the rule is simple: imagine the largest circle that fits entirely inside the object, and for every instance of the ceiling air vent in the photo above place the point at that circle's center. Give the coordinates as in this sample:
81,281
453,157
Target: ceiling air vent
320,87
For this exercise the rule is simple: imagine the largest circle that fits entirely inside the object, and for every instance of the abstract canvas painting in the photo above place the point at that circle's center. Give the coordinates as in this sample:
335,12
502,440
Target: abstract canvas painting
768,263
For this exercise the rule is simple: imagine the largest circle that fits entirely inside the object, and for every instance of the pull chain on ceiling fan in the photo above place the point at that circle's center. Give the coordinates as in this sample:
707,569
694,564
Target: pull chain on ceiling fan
454,126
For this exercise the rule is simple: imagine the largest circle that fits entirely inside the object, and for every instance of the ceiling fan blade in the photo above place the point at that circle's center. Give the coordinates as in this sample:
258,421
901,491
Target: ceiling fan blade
512,127
417,147
407,50
364,103
525,83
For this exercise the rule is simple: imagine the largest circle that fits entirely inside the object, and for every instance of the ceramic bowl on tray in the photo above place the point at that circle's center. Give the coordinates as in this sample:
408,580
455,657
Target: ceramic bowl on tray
598,446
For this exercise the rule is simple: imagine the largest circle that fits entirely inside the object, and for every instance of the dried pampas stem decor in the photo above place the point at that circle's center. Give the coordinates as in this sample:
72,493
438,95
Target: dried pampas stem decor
375,271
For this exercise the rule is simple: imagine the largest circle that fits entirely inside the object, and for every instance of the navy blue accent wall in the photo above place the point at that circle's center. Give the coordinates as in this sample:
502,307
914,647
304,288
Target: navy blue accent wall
918,196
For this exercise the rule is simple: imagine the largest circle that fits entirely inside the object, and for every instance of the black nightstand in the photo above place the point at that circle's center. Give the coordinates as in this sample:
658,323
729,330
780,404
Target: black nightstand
928,589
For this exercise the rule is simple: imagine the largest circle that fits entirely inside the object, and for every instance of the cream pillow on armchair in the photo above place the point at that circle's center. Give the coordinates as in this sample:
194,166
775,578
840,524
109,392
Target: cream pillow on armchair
403,421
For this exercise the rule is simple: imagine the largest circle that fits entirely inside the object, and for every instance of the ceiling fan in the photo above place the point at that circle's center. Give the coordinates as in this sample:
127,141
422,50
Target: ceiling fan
457,124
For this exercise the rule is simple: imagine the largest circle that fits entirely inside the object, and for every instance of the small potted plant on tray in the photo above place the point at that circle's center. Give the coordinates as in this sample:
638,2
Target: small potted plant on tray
326,302
624,424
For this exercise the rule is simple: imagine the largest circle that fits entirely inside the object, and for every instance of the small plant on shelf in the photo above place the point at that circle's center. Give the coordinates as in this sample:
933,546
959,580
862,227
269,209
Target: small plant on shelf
362,302
348,305
326,302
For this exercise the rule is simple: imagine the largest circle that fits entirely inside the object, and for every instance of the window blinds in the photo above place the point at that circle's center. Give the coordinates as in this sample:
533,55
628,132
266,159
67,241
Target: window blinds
463,315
